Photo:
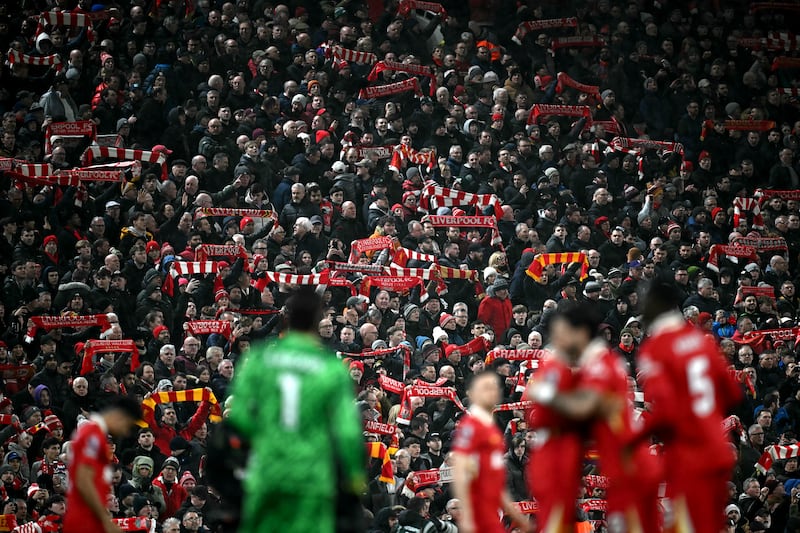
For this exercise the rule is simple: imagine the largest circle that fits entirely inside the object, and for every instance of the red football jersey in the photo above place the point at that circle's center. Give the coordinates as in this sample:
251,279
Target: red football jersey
478,437
686,381
556,459
633,475
89,447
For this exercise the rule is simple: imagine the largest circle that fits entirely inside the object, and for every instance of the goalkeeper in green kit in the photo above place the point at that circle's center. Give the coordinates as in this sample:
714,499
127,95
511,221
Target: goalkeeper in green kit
293,402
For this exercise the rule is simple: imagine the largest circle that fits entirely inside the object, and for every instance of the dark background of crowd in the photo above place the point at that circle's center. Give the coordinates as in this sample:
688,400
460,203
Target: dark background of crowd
253,113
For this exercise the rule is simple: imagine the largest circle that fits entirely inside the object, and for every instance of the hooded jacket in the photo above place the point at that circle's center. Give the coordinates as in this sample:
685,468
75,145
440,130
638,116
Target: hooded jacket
144,485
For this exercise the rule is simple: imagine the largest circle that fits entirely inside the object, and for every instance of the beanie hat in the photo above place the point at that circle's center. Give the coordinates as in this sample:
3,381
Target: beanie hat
50,238
408,309
52,422
357,364
158,329
186,477
714,212
220,294
171,461
244,222
445,318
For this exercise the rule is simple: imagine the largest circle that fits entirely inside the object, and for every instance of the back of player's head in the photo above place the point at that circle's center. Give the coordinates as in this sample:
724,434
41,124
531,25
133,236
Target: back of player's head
579,316
480,376
660,298
303,310
126,405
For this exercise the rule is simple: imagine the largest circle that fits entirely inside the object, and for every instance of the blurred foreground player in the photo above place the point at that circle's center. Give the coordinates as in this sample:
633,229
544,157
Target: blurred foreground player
89,467
479,472
556,457
602,397
686,381
294,403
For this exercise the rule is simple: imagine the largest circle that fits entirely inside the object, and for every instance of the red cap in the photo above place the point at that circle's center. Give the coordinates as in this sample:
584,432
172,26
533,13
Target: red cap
52,422
5,402
223,264
152,246
445,318
688,166
458,212
703,317
704,155
222,293
450,348
715,211
357,364
497,116
158,329
50,238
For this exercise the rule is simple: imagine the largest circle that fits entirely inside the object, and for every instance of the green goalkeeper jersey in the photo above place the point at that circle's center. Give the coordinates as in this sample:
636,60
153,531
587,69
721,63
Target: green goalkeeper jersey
294,402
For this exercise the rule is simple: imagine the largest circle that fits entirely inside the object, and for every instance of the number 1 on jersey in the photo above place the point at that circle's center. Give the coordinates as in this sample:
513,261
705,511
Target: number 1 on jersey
701,387
290,400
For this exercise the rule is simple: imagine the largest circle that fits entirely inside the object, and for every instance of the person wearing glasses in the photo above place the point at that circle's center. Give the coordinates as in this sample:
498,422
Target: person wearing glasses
193,521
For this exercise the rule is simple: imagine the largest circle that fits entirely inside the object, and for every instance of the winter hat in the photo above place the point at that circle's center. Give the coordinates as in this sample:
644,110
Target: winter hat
357,364
186,477
244,222
171,462
50,238
220,294
445,318
408,309
158,329
52,422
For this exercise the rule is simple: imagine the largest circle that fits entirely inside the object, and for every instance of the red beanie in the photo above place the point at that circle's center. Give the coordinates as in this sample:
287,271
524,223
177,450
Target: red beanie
50,238
158,329
357,364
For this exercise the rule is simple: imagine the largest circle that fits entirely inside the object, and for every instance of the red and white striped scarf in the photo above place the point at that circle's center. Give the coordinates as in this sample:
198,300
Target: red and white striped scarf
440,221
776,453
789,91
635,146
547,110
189,268
403,154
35,169
382,91
564,80
732,250
44,181
747,205
434,196
127,154
341,53
549,24
609,126
299,279
405,7
403,255
52,60
381,354
394,66
65,18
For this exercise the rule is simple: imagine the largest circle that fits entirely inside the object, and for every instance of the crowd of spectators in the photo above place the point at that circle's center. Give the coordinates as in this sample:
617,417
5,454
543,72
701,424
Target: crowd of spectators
252,109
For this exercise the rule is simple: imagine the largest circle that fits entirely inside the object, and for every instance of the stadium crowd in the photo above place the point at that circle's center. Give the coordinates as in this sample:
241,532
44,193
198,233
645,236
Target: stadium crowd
445,180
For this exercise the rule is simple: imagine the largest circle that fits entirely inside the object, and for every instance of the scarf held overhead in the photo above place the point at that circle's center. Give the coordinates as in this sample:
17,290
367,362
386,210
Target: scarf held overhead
536,267
180,396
